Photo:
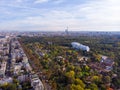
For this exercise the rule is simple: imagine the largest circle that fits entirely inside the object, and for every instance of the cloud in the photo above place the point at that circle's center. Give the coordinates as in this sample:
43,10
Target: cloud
58,1
91,15
19,0
51,1
41,1
99,15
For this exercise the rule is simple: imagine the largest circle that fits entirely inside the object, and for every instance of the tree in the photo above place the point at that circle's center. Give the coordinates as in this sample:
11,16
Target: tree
70,77
79,82
70,74
70,67
96,79
94,87
76,87
106,79
8,86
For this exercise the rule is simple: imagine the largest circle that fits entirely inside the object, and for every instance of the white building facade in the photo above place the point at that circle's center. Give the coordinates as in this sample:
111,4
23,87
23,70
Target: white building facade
77,45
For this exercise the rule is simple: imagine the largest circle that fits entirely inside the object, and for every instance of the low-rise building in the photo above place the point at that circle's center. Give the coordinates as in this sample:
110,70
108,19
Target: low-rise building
36,82
17,68
6,80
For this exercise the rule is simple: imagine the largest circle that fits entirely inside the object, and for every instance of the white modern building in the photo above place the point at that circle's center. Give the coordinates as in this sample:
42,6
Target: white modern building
77,45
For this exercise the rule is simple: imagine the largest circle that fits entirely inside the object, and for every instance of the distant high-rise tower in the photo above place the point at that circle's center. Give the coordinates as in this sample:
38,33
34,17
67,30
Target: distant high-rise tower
66,31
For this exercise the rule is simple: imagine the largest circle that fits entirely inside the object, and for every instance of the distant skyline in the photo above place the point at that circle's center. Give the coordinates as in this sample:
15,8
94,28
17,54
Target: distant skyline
56,15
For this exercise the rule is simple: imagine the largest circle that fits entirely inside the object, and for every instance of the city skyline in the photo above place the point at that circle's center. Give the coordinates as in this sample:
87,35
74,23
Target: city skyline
56,15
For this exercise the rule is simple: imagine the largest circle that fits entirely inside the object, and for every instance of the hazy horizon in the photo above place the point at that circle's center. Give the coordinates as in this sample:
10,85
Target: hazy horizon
56,15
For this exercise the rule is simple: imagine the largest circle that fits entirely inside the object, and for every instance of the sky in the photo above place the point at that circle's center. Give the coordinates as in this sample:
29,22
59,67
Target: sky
56,15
